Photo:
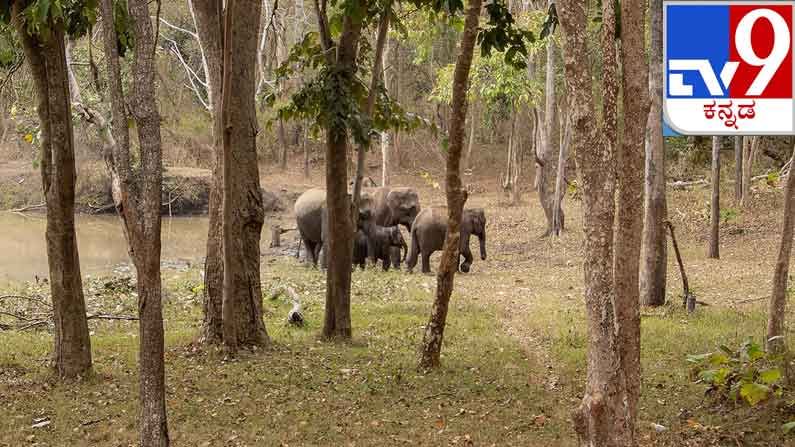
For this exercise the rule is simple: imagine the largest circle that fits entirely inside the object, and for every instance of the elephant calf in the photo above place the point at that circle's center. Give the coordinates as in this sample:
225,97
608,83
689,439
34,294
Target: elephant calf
379,241
430,228
360,249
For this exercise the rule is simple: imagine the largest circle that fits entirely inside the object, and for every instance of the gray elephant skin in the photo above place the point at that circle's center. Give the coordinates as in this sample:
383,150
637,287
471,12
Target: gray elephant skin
429,230
377,242
309,216
392,206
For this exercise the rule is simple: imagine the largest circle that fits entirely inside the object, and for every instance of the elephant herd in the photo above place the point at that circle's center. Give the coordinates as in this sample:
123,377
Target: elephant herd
378,236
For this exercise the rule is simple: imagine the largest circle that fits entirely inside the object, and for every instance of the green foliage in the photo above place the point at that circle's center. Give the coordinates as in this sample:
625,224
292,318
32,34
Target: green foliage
77,16
123,24
728,215
748,373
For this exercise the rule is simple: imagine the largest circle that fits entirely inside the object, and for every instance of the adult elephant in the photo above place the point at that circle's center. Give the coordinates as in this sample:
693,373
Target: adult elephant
309,216
430,228
392,206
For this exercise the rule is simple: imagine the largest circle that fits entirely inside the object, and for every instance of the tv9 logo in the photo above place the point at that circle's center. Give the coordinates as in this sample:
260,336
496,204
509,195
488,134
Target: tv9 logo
728,67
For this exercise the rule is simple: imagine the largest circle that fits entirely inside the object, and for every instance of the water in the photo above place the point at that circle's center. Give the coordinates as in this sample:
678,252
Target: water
101,244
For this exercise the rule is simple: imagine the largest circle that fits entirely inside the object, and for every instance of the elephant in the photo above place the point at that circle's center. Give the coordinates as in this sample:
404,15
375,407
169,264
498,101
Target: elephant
360,249
309,217
380,241
391,206
430,228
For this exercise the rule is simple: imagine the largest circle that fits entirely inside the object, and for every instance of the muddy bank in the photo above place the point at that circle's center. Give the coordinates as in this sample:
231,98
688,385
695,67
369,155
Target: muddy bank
186,191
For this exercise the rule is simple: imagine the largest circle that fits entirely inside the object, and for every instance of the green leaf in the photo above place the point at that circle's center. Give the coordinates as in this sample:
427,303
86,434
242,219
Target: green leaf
753,393
788,427
698,358
770,376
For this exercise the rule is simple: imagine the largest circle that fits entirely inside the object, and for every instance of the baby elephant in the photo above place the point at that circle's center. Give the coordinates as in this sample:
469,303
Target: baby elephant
429,230
378,241
360,249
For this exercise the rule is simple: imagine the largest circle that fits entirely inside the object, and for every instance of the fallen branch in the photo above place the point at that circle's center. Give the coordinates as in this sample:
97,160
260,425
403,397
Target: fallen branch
111,317
750,300
295,316
688,299
28,208
684,185
28,298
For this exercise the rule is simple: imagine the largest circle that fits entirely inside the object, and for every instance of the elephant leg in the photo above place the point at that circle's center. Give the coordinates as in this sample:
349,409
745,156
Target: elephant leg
467,254
426,261
320,256
311,256
394,254
386,262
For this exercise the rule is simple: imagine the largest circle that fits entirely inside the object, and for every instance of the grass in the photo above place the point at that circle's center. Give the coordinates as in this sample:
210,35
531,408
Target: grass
514,358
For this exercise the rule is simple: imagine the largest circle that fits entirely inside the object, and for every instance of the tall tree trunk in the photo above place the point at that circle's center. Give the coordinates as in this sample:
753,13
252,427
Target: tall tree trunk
383,28
282,146
606,416
751,145
208,16
558,218
714,221
337,321
472,122
47,61
654,252
546,168
306,153
456,194
738,169
778,300
137,195
385,163
242,203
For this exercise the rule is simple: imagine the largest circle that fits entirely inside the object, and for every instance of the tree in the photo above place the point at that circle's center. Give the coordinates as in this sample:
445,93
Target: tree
778,299
714,234
243,213
738,169
233,291
137,195
456,194
43,44
750,149
608,410
654,251
545,161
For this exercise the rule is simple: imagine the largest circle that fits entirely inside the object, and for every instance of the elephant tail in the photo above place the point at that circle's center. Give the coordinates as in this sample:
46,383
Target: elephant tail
414,251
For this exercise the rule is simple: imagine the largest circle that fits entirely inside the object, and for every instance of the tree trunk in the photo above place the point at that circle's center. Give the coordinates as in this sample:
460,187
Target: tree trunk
47,61
385,163
714,221
654,252
558,218
283,146
137,196
471,143
306,153
209,28
738,169
751,144
546,171
456,194
337,321
778,300
383,28
606,416
242,200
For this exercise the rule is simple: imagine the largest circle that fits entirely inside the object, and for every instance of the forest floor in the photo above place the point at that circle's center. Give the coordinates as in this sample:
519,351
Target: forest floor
513,358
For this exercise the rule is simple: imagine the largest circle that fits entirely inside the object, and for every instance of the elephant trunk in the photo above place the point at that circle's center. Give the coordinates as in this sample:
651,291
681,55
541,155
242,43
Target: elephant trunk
482,238
405,248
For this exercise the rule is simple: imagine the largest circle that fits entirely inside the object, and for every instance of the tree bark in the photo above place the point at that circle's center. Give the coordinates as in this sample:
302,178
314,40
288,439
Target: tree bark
714,221
606,416
306,153
339,244
456,194
778,299
558,219
750,146
385,162
654,251
47,61
546,170
208,16
243,214
471,136
738,169
137,196
283,146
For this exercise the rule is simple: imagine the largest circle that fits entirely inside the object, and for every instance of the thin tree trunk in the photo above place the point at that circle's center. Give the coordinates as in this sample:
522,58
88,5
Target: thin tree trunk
283,146
558,217
778,299
471,143
385,163
242,203
546,171
749,155
137,196
337,320
738,169
383,28
456,194
654,252
714,248
47,61
306,153
208,16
